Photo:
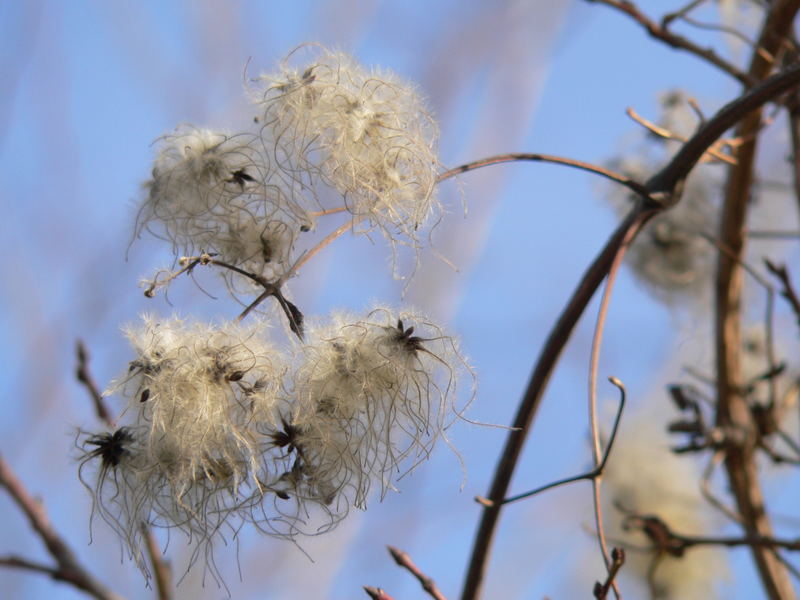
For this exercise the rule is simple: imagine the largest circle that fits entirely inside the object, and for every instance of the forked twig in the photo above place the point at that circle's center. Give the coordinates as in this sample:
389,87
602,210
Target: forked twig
661,187
68,568
617,560
669,135
787,290
598,470
661,32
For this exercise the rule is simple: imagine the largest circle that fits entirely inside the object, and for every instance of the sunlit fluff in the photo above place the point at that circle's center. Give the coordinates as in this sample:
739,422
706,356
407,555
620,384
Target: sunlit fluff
364,132
672,256
643,477
197,394
216,193
373,394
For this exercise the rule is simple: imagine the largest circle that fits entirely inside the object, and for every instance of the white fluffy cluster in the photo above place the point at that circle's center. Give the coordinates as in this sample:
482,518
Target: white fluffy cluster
332,136
213,192
644,478
190,455
364,132
219,429
372,395
670,255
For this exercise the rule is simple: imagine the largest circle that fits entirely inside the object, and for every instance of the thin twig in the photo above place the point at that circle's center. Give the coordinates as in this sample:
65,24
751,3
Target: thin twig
161,569
309,254
681,13
708,493
594,362
661,188
788,290
85,377
764,234
676,41
633,185
598,470
17,562
428,584
377,593
617,560
729,30
69,569
678,543
669,135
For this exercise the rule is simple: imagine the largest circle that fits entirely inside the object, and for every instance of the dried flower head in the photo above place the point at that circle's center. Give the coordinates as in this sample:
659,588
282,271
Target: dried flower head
214,192
644,479
364,132
116,488
190,456
372,397
671,255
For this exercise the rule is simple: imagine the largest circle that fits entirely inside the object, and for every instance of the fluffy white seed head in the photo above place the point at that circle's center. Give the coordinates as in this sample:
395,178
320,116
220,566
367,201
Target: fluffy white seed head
372,395
670,256
197,397
644,478
118,488
217,193
364,132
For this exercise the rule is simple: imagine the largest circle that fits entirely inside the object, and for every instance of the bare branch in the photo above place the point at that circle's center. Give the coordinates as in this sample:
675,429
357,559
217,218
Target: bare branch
661,32
732,407
428,584
85,377
377,593
661,187
788,290
69,569
631,184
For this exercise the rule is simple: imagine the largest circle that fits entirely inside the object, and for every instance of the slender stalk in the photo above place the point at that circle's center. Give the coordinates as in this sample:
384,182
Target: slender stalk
732,409
546,158
69,569
660,192
661,32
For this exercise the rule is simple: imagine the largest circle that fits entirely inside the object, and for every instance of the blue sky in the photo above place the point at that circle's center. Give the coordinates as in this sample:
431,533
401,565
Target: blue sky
89,87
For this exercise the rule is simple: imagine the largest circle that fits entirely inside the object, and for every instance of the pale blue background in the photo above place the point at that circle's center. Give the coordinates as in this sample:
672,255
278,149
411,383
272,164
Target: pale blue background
87,86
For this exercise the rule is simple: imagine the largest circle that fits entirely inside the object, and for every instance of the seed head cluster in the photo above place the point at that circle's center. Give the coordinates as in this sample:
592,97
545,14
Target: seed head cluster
221,428
365,133
672,256
329,136
213,192
379,390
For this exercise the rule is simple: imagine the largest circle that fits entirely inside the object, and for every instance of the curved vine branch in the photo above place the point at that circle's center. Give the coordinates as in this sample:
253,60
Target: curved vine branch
732,407
663,190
